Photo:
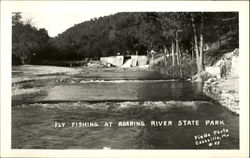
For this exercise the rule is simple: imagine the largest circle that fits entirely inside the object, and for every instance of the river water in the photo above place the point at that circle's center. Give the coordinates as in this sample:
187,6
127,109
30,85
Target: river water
124,113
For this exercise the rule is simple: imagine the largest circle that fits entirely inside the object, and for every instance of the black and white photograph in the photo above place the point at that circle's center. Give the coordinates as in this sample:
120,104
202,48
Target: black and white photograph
122,79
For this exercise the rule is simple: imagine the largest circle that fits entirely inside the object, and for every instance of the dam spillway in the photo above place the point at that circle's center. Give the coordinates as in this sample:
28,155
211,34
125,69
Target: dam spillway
136,60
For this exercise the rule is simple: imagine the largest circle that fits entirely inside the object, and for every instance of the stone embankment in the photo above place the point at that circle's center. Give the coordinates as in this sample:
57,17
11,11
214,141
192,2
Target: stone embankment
226,90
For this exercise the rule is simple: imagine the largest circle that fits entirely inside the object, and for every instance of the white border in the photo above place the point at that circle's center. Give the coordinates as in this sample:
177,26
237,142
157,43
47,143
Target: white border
8,6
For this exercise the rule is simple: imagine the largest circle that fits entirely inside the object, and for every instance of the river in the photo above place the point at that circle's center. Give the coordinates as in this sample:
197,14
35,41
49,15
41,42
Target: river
123,110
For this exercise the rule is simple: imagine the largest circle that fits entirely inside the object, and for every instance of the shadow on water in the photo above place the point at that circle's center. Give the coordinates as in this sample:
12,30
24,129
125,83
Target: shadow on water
135,90
172,90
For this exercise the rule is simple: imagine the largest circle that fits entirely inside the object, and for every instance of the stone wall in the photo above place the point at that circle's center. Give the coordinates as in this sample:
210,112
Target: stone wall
142,60
114,60
118,61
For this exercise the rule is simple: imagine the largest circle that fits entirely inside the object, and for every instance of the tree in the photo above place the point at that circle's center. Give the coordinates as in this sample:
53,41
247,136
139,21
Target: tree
16,18
177,33
198,46
27,41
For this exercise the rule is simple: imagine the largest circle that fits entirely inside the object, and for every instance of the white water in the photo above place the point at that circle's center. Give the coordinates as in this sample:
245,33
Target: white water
127,63
122,81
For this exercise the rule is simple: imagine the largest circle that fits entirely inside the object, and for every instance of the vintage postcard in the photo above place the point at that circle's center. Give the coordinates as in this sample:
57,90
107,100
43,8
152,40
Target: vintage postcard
124,79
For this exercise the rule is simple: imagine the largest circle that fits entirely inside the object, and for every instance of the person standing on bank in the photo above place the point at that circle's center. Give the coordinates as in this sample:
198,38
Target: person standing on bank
223,69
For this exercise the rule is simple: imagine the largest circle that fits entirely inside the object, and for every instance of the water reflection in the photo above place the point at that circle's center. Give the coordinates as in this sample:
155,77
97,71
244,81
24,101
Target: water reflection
128,91
172,90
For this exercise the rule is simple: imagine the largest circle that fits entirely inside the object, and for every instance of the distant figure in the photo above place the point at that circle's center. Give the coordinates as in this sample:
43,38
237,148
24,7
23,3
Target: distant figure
152,53
223,69
161,51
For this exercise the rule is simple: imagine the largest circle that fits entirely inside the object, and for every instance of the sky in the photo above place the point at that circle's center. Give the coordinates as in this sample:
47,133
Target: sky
57,17
57,22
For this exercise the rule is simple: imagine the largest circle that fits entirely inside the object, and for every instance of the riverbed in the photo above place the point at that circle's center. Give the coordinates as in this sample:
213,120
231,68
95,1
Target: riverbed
110,108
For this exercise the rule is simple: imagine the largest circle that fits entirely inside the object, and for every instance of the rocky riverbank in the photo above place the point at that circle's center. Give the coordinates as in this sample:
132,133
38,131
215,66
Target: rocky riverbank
226,90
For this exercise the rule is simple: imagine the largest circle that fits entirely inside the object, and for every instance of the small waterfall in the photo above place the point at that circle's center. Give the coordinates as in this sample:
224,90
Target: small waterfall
127,63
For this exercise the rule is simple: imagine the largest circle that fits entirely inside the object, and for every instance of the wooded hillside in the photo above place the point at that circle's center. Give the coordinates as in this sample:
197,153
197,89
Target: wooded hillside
177,33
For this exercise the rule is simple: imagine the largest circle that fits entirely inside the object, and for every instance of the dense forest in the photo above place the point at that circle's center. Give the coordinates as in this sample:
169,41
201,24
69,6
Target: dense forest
177,33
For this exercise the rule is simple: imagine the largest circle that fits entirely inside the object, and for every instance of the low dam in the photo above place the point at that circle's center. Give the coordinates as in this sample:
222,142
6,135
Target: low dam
136,60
